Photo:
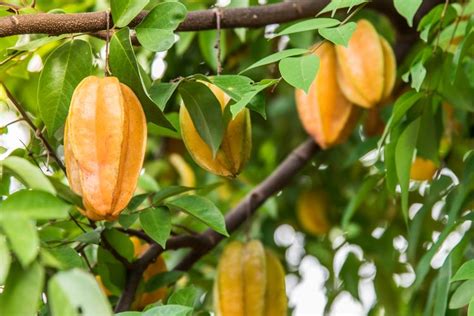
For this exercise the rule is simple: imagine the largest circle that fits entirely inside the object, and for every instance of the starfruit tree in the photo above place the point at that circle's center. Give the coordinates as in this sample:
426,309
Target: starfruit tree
192,157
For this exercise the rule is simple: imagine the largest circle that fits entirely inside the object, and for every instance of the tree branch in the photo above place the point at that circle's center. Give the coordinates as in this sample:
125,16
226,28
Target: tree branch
37,132
255,16
204,242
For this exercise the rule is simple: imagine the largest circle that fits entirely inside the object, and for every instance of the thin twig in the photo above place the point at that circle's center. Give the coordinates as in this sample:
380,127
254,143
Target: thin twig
37,132
105,243
107,45
218,40
204,242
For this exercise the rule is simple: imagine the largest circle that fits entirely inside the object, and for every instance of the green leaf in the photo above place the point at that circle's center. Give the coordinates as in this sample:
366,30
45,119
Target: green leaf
33,205
37,43
162,279
120,242
357,200
156,222
205,112
124,66
404,157
273,58
63,258
465,272
161,92
168,310
112,272
442,289
28,174
339,35
401,107
76,292
63,70
124,11
309,25
155,32
300,71
335,5
21,295
407,8
168,192
202,209
6,259
23,238
350,274
460,53
247,98
186,296
463,295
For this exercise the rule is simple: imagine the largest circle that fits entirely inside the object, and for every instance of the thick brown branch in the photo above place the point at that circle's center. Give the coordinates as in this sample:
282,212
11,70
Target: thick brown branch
203,243
256,16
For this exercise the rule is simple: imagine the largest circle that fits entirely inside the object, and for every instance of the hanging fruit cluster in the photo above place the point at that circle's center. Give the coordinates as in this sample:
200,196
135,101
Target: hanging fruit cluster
104,145
236,146
359,75
250,281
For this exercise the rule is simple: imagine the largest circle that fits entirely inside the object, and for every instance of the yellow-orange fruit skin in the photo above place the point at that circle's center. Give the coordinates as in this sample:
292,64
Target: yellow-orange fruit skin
236,145
311,212
422,169
275,296
250,281
104,145
366,67
324,111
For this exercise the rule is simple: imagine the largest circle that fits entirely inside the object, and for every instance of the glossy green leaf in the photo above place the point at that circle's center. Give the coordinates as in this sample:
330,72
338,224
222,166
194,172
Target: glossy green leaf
300,72
124,66
161,92
156,222
63,70
28,174
6,259
120,242
442,289
407,8
339,35
247,98
23,288
76,292
465,272
168,192
404,157
273,58
186,296
202,209
155,32
124,11
309,25
463,295
63,258
169,310
162,279
37,43
33,204
335,5
23,238
205,112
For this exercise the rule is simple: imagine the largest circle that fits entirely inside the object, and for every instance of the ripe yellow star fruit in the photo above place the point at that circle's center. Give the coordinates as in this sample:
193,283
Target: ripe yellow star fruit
104,145
250,281
326,114
235,149
366,67
312,209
